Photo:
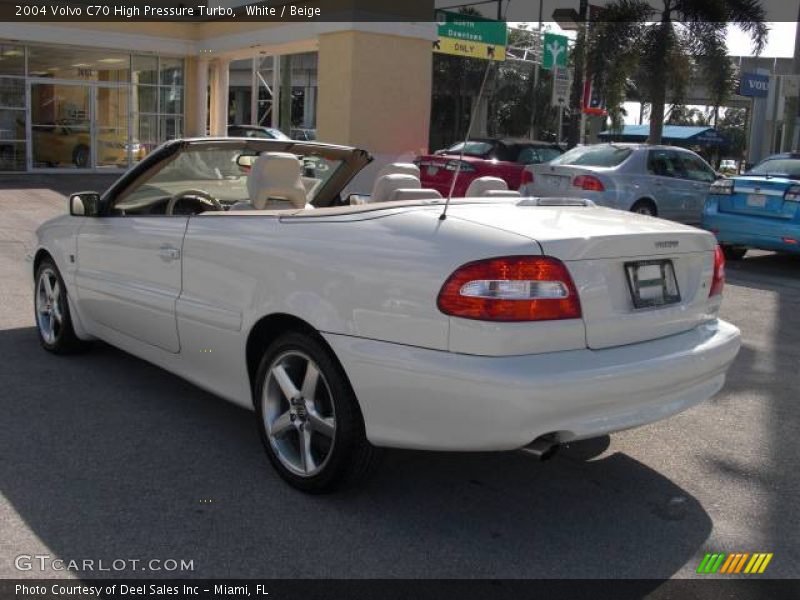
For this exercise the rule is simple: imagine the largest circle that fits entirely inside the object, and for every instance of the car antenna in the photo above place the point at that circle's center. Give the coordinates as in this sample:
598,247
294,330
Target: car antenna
475,107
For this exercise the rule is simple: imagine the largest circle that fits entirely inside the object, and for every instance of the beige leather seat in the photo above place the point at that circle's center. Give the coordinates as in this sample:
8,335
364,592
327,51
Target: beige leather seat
386,185
275,182
399,168
489,186
415,194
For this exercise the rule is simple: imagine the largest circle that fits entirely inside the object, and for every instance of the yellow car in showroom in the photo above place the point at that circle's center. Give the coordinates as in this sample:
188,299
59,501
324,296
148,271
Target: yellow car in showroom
66,143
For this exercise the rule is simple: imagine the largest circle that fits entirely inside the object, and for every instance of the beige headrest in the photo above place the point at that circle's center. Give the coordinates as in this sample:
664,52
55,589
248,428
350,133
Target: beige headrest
415,194
386,184
276,176
481,185
399,168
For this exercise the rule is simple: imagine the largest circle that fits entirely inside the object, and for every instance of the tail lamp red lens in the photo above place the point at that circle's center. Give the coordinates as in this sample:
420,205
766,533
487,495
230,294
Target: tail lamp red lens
511,288
590,183
718,280
527,177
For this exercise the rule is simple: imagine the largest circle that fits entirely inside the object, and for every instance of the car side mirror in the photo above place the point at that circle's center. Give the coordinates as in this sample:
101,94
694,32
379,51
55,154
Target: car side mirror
84,204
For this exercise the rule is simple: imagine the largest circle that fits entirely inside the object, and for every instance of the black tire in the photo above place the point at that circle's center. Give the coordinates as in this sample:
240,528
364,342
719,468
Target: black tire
63,339
645,207
350,458
733,252
80,156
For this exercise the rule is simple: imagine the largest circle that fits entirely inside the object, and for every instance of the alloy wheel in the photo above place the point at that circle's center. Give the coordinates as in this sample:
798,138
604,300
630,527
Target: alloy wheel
299,414
49,312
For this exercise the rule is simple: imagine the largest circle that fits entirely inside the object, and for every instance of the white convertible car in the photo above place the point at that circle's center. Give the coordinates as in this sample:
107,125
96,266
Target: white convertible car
351,325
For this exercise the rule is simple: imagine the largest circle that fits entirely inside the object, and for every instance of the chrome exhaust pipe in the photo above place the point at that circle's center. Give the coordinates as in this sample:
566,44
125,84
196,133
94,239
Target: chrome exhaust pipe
543,448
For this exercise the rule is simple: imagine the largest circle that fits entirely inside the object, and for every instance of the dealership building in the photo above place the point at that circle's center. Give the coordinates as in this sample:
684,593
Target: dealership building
97,96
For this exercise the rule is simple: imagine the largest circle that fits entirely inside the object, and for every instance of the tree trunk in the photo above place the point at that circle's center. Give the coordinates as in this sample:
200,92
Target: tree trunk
659,86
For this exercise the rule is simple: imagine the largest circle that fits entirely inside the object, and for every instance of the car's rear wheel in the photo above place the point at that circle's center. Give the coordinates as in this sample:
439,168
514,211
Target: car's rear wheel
733,252
645,207
309,418
53,319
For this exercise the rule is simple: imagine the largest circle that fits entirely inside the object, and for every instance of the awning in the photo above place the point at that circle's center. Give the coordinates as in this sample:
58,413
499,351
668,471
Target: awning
680,135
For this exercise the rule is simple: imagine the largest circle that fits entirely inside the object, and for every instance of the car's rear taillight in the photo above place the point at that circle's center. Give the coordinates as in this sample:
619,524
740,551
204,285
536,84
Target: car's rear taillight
792,194
511,288
527,177
718,280
721,187
590,183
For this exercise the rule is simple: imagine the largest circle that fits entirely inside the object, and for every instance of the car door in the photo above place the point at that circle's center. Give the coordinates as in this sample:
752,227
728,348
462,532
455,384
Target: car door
700,177
128,275
667,187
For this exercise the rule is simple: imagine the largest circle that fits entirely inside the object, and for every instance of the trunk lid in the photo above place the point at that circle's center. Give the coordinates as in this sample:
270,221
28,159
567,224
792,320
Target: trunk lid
760,196
553,180
599,246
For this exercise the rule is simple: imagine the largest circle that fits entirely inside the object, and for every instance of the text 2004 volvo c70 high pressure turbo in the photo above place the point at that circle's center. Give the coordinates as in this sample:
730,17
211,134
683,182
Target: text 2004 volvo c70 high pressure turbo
510,323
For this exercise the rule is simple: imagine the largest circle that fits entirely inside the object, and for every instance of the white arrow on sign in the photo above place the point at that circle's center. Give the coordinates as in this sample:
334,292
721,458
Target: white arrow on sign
555,49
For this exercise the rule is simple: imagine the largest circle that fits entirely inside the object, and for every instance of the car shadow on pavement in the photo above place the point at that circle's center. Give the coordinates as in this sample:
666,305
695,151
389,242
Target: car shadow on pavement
768,271
108,457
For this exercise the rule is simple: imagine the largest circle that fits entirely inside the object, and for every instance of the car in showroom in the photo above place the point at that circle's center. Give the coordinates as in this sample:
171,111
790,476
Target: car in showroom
480,324
663,181
760,209
502,158
67,143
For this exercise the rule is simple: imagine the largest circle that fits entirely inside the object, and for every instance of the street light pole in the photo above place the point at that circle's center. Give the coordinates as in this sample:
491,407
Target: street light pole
536,67
576,96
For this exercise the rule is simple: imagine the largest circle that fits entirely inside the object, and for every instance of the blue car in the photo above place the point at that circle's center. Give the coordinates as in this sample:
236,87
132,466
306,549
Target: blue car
760,209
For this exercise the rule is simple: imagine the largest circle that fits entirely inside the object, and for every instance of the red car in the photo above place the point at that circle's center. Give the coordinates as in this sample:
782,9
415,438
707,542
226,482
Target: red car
503,158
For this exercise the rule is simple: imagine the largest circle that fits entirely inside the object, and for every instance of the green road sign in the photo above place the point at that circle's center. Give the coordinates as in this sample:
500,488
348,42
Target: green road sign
555,51
466,35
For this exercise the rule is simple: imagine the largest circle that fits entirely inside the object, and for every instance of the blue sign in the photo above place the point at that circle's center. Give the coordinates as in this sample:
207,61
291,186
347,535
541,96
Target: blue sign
754,84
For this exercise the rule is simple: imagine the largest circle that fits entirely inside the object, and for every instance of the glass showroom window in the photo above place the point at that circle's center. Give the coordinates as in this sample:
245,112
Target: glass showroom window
12,108
158,98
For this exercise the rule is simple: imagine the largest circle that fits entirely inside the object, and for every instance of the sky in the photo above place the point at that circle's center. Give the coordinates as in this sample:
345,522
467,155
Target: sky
780,42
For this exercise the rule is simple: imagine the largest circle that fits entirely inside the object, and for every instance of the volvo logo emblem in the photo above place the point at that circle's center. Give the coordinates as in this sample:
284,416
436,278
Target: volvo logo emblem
667,244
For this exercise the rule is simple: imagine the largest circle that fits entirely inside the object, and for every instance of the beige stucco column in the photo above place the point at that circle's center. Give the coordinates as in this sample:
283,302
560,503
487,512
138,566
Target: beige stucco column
374,92
219,98
197,97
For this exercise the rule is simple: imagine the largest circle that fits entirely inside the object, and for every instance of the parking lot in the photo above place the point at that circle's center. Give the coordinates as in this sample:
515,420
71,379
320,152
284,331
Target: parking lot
107,457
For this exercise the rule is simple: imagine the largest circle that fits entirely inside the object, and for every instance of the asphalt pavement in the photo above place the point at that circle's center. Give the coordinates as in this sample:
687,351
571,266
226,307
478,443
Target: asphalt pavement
106,457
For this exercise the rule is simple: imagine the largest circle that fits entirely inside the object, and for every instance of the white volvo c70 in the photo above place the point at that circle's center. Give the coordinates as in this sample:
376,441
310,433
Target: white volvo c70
351,325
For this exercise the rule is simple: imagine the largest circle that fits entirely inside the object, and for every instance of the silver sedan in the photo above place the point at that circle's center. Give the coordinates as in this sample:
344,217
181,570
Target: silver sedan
663,181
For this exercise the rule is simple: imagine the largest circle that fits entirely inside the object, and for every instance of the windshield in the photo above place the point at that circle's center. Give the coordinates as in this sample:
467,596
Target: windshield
533,155
786,167
594,156
472,148
221,173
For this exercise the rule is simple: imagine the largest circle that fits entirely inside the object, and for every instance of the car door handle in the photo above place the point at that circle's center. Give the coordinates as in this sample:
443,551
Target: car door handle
168,253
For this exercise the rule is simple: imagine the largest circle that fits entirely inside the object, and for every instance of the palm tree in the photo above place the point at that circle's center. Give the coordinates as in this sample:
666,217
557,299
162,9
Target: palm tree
662,48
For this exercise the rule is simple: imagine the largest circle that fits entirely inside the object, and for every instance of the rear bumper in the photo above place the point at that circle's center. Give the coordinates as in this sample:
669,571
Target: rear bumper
427,399
751,231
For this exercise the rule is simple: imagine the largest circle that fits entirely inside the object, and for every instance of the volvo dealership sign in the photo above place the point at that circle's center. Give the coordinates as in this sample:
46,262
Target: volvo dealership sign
467,35
754,84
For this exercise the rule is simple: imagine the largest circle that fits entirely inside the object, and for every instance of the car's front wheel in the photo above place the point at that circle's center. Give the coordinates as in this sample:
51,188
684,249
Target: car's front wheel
309,418
53,319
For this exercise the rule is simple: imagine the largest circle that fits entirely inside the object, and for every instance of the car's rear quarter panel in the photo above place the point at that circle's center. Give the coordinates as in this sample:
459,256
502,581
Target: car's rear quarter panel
376,277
